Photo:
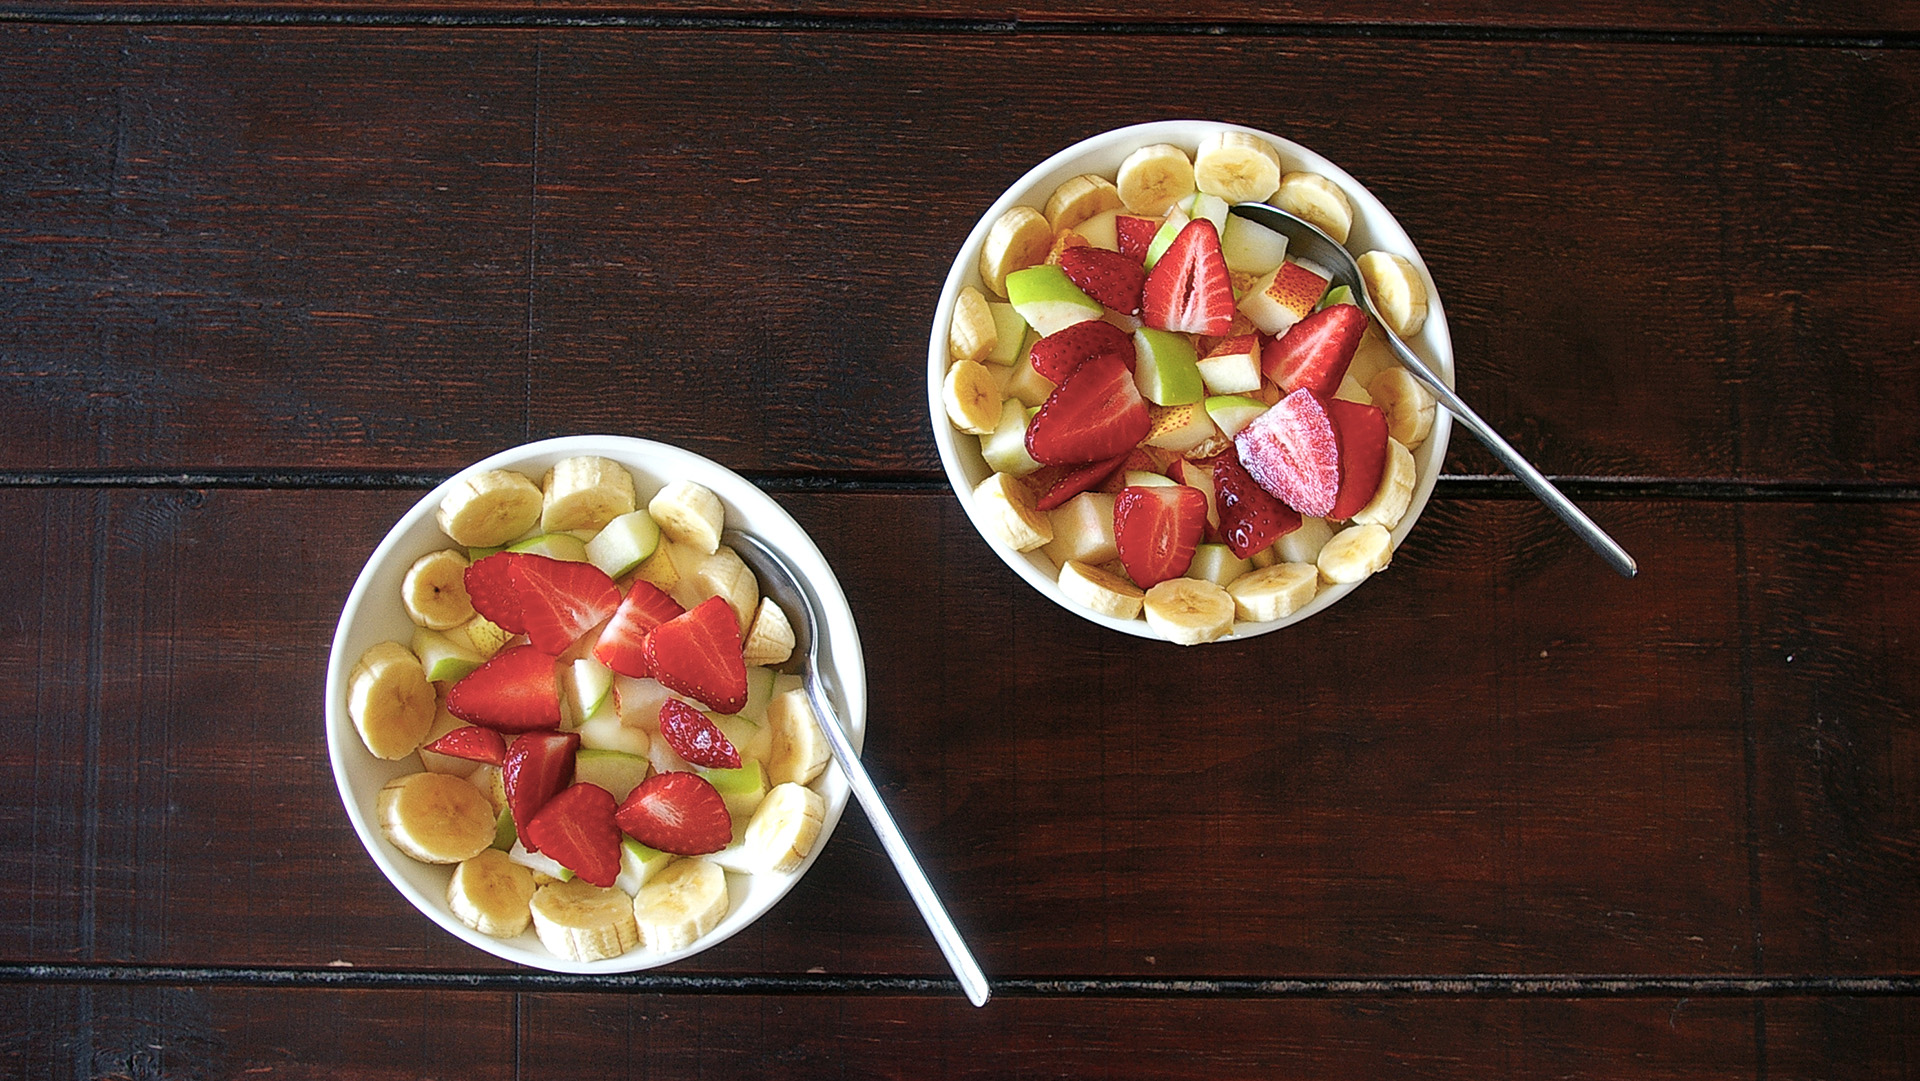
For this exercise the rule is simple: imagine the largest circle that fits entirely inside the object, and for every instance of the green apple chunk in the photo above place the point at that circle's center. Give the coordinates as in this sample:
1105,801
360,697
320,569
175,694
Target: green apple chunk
1339,294
504,835
616,771
1232,412
1216,563
1211,207
1048,300
585,686
1166,368
759,693
1177,220
741,732
445,660
1005,450
625,543
1251,248
604,731
638,863
1010,333
555,546
742,789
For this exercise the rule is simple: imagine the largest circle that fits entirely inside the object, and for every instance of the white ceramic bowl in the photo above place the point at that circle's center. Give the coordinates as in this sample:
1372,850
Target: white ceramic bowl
1373,229
373,613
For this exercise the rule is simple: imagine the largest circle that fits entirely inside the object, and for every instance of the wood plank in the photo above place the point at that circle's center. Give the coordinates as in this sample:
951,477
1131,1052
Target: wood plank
1720,17
335,248
1454,771
87,1032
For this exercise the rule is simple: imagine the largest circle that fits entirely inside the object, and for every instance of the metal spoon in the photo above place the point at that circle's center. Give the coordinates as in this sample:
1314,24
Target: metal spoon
779,581
1305,240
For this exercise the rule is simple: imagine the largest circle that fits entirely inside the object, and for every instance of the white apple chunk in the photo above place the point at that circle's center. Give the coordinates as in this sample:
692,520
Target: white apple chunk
1233,367
1083,530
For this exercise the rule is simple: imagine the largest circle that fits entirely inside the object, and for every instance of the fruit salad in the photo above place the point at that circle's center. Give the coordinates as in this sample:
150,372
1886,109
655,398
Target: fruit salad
591,696
1194,427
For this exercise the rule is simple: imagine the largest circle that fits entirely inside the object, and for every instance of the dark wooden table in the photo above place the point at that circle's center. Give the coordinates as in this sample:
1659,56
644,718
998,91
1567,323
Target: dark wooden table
270,270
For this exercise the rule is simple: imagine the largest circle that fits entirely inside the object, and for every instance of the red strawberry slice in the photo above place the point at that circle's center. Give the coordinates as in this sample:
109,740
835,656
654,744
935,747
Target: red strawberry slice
1362,433
1096,414
1109,277
1061,353
1315,352
560,599
695,738
514,691
473,743
622,644
698,655
537,765
1291,451
1135,235
1074,481
490,586
677,812
1157,528
1189,289
576,828
1250,518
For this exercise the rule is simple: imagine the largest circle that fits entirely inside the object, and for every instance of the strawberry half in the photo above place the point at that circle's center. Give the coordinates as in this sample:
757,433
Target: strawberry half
576,828
1250,518
1291,451
1079,479
490,587
1189,289
1361,430
1315,352
560,599
1061,353
1107,276
1135,235
473,743
1157,528
698,654
622,644
676,812
537,766
516,690
695,738
1096,414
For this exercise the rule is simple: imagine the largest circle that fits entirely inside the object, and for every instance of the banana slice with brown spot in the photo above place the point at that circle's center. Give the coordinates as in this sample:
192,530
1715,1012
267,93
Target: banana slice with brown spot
435,590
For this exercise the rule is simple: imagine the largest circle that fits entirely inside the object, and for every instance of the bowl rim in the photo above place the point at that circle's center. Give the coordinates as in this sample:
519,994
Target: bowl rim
652,463
1102,153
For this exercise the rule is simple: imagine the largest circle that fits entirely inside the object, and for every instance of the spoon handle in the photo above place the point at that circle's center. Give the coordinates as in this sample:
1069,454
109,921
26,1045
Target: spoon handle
972,980
1595,537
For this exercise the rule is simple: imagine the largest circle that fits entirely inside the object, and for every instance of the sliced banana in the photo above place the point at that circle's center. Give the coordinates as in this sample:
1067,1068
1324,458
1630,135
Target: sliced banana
390,701
489,509
584,492
1390,500
1107,594
800,751
689,514
580,921
784,828
435,817
1080,198
1409,406
1189,611
435,590
1153,178
973,397
490,893
1236,166
1275,591
721,573
1010,513
1355,552
1397,290
770,638
680,903
1317,199
974,333
1020,239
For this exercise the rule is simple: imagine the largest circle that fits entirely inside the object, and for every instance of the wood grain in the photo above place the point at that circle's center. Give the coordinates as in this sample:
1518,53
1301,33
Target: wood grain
1455,771
299,248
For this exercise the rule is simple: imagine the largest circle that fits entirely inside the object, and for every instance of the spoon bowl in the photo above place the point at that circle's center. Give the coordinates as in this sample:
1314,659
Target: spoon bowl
789,590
